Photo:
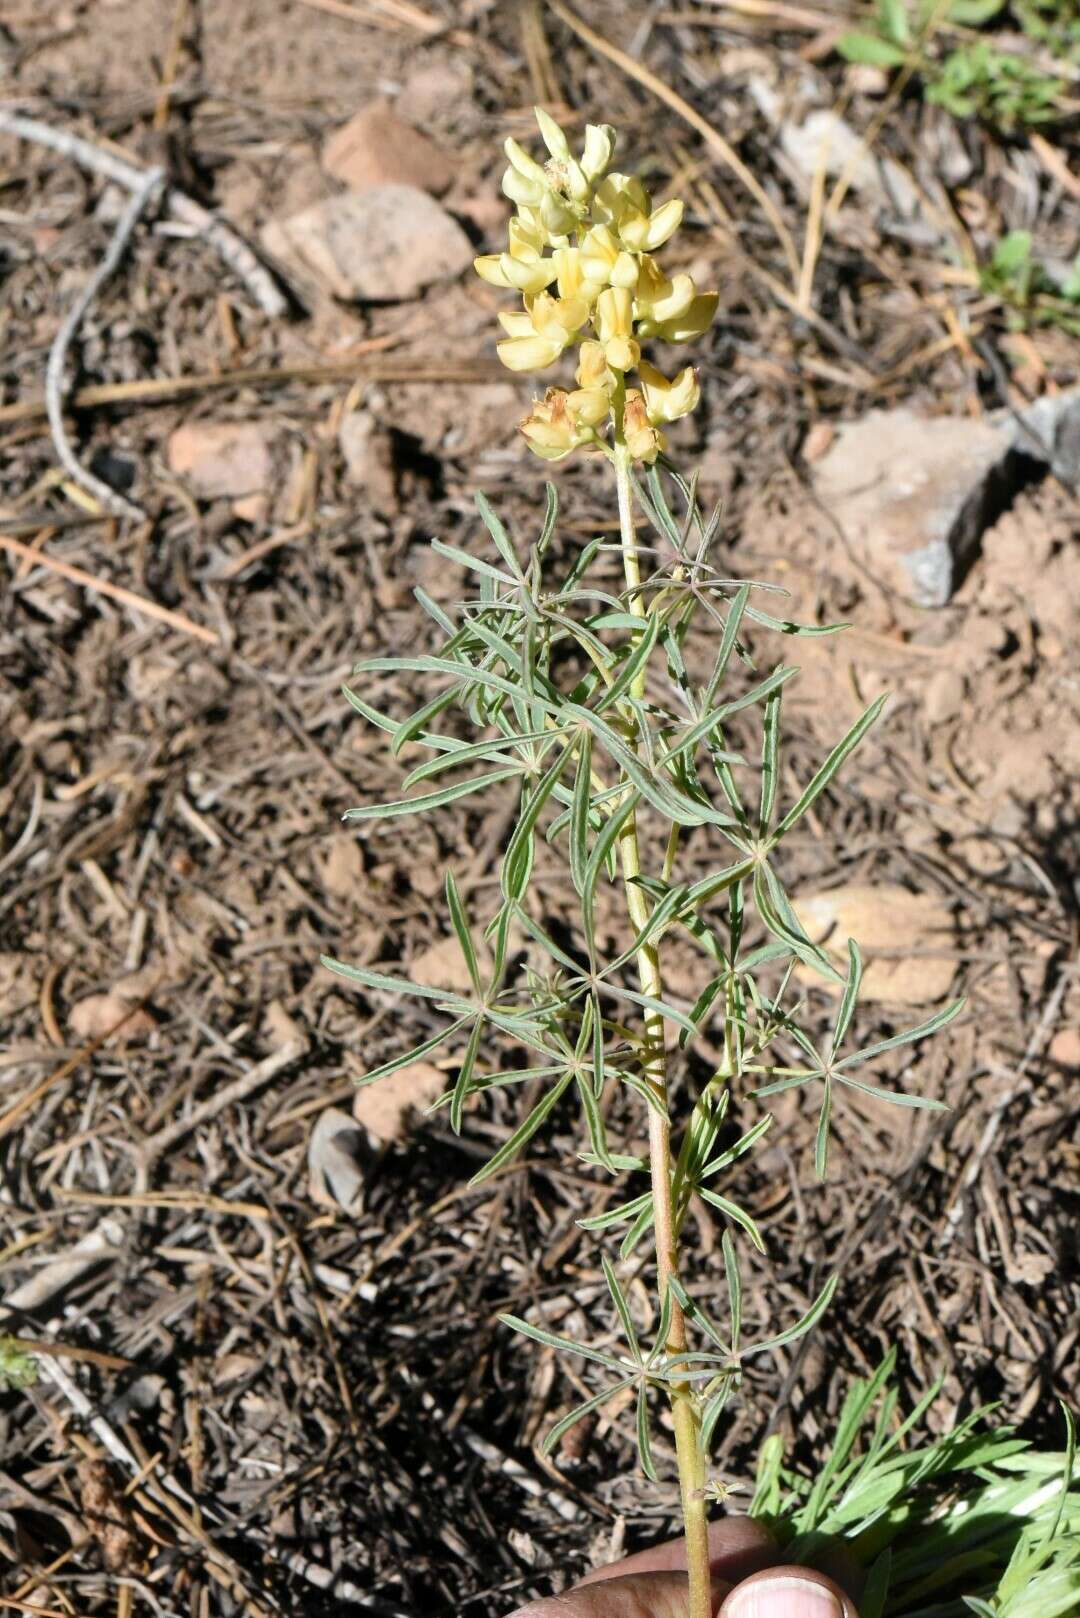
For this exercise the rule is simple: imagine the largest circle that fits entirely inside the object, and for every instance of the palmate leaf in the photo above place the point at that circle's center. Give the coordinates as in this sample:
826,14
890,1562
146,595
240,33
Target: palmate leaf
524,1131
940,1019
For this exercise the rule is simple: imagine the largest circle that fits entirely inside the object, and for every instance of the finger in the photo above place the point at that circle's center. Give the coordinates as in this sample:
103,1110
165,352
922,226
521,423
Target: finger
737,1547
635,1595
787,1592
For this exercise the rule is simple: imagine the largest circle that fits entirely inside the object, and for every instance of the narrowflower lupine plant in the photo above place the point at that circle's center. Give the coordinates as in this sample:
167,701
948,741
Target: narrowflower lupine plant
605,709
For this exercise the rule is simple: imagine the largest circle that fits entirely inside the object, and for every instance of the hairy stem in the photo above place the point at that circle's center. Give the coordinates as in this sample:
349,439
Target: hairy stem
688,1445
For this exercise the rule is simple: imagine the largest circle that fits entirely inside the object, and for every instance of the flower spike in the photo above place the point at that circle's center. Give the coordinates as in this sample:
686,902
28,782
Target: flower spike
580,254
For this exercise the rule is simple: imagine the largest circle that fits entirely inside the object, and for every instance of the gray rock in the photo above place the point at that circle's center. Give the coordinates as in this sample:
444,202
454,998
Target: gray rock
386,243
913,494
1049,430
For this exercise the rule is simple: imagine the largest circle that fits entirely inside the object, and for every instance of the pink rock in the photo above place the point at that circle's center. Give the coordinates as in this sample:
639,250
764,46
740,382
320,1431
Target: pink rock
387,243
221,458
376,147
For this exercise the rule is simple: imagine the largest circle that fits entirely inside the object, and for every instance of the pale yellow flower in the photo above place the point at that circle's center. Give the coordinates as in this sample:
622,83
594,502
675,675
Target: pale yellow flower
561,422
523,268
693,323
538,335
667,401
622,202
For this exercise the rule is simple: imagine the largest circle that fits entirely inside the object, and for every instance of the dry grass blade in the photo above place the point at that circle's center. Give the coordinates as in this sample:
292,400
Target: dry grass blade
160,390
69,1351
711,136
115,592
386,14
18,1110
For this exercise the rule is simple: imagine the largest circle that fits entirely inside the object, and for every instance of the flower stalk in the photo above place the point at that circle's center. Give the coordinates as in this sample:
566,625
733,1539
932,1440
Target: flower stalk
685,1412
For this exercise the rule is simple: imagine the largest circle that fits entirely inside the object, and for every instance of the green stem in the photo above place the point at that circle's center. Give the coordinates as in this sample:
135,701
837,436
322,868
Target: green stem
684,1404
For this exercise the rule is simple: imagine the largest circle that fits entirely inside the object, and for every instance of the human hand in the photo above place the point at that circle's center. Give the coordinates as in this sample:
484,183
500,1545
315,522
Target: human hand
749,1581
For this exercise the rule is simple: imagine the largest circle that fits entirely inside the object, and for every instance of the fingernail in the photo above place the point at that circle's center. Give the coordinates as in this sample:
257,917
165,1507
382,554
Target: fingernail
782,1595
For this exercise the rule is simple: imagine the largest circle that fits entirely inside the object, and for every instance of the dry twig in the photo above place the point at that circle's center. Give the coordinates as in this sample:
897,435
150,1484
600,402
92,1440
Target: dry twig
224,240
141,198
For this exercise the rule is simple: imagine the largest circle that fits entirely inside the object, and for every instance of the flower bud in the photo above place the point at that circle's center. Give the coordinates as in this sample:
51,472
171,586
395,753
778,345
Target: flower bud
599,147
642,439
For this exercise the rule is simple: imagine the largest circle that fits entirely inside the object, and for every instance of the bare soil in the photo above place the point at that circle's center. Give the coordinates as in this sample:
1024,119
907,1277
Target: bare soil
313,1410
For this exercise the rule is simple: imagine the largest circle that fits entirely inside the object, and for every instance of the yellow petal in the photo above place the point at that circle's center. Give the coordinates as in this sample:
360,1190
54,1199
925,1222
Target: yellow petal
527,193
697,319
624,271
642,438
667,401
522,162
662,224
551,135
614,313
673,301
516,323
556,216
592,371
489,269
527,353
622,353
590,405
526,276
545,451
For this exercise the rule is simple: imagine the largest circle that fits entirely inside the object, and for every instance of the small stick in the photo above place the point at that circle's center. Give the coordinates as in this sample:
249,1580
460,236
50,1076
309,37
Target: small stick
68,1351
160,390
384,14
147,189
151,1149
172,64
115,592
227,244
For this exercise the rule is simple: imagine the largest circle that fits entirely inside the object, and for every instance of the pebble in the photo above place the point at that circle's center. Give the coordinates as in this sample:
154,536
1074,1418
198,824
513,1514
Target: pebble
384,244
376,147
221,458
883,917
368,452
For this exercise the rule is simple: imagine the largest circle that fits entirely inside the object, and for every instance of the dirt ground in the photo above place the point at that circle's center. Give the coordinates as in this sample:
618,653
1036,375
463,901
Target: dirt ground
270,1401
